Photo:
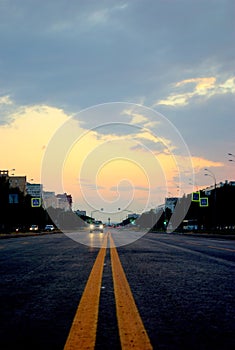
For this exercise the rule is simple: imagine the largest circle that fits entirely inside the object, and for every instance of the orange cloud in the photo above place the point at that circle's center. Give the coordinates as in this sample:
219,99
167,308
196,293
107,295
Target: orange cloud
202,84
206,87
200,163
24,139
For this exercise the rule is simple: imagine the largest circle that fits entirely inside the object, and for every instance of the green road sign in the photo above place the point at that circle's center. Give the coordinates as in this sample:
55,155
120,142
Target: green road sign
204,202
196,197
35,202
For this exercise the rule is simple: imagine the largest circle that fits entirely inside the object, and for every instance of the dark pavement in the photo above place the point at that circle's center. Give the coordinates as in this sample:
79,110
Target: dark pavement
183,287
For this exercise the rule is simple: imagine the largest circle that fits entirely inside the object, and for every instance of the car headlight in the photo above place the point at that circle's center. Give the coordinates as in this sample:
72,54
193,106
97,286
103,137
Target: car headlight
101,226
91,226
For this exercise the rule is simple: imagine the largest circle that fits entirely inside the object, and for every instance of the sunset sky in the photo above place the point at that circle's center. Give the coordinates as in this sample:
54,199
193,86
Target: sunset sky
120,103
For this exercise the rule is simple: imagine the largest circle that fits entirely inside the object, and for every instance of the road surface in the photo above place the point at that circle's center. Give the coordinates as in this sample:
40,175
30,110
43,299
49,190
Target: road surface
182,289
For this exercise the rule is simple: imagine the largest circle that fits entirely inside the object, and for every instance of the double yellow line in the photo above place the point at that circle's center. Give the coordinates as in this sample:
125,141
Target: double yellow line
132,332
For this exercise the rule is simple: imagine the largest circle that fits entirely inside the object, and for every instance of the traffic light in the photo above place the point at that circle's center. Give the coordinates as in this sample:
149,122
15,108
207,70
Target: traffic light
132,221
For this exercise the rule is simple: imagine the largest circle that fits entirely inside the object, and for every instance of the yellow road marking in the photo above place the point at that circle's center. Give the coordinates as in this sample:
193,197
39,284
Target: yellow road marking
82,334
227,249
131,329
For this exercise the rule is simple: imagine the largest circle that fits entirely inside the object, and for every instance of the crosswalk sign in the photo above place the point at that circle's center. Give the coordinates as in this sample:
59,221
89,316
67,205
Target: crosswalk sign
195,196
204,202
35,202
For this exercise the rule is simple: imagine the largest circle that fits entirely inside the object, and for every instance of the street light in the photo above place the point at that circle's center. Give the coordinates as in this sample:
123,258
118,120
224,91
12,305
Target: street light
129,211
231,155
94,211
211,174
193,183
177,189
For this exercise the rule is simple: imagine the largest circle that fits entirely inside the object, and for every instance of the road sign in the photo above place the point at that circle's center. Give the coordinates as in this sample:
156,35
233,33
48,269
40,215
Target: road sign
196,197
35,202
204,202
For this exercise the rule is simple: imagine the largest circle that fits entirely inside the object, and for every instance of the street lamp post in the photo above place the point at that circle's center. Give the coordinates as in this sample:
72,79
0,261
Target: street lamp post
193,183
129,211
233,156
124,210
94,211
211,174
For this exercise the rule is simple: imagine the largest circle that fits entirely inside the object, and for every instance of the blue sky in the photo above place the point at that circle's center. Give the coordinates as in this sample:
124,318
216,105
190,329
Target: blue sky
176,57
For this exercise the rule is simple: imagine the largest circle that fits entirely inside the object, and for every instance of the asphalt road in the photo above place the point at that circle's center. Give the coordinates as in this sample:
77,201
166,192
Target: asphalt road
183,288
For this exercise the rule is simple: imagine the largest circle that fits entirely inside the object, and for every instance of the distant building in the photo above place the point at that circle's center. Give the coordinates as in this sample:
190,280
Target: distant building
160,207
208,190
4,173
80,212
15,181
170,203
64,201
18,182
49,200
134,215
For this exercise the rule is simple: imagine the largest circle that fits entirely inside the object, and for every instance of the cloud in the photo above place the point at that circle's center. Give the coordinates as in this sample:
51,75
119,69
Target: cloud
128,188
145,145
200,163
202,84
136,118
7,107
102,16
25,137
148,141
79,54
206,87
92,186
85,18
5,100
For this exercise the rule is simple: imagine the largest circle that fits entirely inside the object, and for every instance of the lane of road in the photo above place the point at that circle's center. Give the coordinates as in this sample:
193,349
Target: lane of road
189,290
83,331
42,280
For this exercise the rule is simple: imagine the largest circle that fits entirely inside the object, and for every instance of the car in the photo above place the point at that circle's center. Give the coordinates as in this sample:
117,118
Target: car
34,228
97,226
49,228
21,228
